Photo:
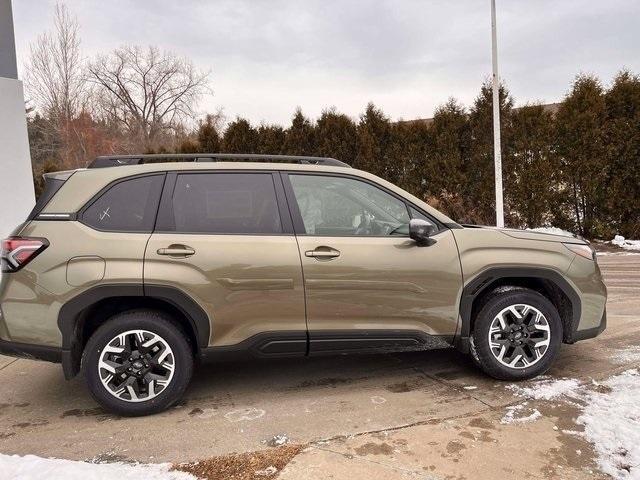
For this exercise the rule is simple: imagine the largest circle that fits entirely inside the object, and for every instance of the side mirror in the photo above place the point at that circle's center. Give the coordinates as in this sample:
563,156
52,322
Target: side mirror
421,231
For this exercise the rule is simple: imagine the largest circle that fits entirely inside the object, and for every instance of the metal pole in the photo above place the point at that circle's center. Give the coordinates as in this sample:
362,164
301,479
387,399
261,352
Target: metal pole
497,155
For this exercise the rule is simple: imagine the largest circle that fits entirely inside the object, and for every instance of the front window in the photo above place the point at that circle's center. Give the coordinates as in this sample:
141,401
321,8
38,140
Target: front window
339,206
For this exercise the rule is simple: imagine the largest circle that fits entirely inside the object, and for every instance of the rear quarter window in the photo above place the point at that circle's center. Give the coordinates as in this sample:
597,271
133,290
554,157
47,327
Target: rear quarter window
127,206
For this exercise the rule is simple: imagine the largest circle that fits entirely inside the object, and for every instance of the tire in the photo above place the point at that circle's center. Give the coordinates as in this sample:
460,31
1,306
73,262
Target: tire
150,373
535,337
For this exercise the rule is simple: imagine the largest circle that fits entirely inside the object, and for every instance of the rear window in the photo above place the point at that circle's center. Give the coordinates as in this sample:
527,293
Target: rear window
127,206
226,203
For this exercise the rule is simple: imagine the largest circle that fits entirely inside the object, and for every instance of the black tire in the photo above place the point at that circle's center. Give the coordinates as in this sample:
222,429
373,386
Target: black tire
495,303
152,321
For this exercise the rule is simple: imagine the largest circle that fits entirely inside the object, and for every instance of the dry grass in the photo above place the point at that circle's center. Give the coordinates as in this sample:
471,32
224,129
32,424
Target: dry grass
260,465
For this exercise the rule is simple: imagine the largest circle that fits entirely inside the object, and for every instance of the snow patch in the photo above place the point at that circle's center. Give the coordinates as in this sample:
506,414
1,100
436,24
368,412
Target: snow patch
628,355
547,389
14,467
551,230
514,414
622,242
612,423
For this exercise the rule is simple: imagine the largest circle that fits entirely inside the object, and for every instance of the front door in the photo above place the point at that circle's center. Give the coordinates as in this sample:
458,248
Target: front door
226,240
368,285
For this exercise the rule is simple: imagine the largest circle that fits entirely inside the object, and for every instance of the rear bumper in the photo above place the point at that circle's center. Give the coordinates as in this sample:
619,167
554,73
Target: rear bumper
33,352
590,332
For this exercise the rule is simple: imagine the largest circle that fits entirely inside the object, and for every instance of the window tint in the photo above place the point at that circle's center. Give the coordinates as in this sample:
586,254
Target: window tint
128,206
226,203
343,206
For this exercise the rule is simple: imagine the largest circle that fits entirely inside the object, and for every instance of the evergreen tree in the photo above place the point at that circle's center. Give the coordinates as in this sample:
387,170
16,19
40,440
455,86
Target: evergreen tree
480,185
581,149
374,140
530,187
240,137
336,136
271,139
408,156
622,140
299,138
208,136
446,172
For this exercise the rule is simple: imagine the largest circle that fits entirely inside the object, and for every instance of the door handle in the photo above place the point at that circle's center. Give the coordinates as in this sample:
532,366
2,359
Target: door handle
176,251
322,253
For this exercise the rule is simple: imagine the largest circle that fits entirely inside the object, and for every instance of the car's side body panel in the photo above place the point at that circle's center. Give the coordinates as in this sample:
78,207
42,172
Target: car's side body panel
31,301
493,253
247,284
381,283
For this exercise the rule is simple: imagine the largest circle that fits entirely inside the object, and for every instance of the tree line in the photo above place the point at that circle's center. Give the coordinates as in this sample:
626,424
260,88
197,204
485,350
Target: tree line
574,165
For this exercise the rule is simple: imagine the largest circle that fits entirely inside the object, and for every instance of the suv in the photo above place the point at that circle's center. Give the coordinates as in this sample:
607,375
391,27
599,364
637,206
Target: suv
132,272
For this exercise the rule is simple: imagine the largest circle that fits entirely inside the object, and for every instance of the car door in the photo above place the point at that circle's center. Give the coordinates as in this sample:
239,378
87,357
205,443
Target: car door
368,285
225,239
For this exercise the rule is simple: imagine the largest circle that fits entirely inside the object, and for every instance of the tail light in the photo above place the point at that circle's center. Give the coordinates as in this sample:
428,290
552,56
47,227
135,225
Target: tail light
18,251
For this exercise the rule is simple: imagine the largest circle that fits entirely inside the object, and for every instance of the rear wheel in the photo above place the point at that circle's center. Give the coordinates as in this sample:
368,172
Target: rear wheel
517,334
138,363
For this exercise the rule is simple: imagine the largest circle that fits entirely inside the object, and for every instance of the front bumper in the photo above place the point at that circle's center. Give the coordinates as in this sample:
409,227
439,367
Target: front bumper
590,332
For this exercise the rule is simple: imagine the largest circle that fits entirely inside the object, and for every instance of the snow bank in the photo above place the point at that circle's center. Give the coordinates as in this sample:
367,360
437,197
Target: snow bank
622,242
612,423
30,467
552,230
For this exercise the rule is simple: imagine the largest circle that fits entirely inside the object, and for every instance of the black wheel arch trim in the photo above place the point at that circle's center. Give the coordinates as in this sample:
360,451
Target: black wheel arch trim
70,312
482,281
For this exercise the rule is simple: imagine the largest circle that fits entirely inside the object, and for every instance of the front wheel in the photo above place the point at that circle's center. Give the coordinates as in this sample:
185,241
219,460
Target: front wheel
138,363
517,334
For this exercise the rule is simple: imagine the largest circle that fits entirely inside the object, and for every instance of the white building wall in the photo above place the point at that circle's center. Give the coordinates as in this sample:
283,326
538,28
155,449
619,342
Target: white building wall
17,195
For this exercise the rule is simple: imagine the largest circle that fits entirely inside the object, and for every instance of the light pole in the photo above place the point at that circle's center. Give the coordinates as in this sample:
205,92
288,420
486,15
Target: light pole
497,155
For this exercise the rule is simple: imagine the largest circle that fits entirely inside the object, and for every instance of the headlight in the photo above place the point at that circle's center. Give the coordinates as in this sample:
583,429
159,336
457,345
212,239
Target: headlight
583,250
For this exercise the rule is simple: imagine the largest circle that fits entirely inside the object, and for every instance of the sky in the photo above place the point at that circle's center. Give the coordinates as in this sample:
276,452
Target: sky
267,57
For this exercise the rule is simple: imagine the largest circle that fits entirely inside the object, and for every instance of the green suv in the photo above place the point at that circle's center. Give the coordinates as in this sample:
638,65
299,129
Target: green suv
135,268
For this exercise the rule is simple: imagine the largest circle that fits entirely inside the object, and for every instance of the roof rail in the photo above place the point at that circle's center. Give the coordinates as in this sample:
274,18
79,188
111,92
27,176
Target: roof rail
122,160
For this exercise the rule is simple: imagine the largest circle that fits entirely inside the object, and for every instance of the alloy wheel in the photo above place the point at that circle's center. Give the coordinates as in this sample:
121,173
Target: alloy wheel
519,336
136,366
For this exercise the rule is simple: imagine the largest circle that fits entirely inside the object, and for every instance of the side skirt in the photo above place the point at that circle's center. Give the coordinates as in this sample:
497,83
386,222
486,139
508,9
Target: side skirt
326,342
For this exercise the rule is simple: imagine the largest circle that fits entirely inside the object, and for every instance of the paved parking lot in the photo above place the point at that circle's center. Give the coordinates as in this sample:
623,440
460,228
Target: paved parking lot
427,414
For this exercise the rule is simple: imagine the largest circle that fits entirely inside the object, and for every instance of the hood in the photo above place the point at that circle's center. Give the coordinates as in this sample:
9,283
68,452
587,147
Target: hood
544,236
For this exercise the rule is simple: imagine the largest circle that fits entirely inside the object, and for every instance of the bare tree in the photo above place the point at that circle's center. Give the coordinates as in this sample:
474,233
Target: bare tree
54,72
147,92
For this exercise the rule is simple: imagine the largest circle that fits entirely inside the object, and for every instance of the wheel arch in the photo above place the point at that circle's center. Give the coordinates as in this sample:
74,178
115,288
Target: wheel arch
548,282
80,316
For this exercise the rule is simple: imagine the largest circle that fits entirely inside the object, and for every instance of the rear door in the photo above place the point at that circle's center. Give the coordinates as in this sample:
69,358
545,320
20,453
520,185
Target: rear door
368,285
225,238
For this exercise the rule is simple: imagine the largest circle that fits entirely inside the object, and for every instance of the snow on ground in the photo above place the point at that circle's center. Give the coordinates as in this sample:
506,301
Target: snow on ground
627,356
546,389
30,467
610,415
520,414
612,423
622,242
552,230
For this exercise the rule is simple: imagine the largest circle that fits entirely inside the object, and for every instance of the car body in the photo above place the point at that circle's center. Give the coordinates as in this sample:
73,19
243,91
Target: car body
283,256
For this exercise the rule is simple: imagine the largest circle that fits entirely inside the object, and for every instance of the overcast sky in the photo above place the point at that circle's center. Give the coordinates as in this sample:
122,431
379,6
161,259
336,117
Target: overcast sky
407,56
